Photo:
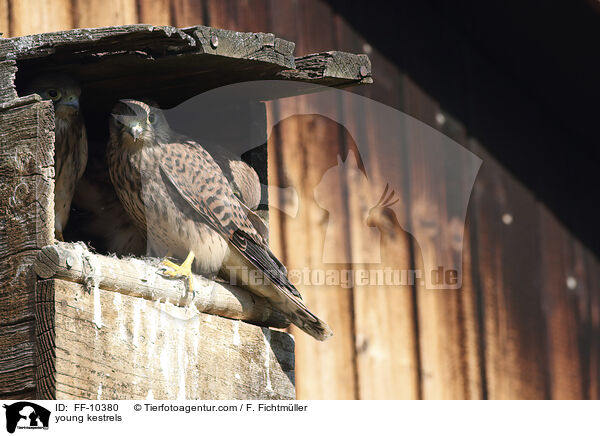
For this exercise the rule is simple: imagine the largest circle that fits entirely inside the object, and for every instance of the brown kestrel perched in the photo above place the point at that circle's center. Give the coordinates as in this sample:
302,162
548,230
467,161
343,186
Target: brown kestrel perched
171,186
70,144
243,179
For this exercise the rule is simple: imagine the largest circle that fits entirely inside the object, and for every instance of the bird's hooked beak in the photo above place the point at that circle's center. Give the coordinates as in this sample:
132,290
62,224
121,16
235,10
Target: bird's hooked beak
135,129
70,102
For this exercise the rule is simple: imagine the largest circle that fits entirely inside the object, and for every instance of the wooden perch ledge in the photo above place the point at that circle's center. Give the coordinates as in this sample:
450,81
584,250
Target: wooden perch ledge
140,278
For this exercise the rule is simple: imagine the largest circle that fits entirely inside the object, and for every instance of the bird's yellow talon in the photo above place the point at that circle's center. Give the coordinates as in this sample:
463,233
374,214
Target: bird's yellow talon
166,263
172,270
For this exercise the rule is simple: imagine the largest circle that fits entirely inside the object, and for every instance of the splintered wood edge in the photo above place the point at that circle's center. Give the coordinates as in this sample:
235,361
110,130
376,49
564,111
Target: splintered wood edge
333,68
139,278
243,45
101,38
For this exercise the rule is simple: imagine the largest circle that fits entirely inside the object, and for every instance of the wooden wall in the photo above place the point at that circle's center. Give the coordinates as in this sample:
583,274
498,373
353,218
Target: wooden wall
526,323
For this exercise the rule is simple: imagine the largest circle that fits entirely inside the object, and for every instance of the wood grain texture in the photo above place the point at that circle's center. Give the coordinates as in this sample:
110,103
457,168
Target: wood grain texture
139,278
8,70
115,61
98,13
592,283
26,224
386,337
29,17
243,15
509,247
331,363
568,304
308,147
468,325
186,13
113,346
97,40
256,46
4,19
442,331
156,12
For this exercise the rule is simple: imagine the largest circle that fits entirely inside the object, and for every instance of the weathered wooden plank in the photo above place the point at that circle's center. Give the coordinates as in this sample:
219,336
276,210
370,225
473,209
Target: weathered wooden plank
447,315
24,395
113,346
384,313
592,283
138,278
568,303
332,366
45,340
468,336
4,19
16,277
26,224
8,70
238,45
154,39
247,16
509,249
140,59
307,147
156,12
26,170
37,16
188,13
329,67
96,13
17,353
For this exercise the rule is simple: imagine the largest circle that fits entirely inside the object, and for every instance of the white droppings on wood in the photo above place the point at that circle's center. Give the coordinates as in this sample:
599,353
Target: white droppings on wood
237,376
152,331
137,307
150,395
267,340
165,366
181,360
92,279
236,333
97,308
118,302
99,397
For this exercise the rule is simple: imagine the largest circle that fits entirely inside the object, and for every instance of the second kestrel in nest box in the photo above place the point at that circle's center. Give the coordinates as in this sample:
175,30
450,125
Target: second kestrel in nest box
70,144
171,186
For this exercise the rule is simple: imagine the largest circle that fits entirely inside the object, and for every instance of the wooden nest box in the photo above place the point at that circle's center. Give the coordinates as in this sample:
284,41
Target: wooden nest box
81,324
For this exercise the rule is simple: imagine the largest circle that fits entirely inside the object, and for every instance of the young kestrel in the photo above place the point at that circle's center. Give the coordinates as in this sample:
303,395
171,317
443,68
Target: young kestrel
171,186
70,144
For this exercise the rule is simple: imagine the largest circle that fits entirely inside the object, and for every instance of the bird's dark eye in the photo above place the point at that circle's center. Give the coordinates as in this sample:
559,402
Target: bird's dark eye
152,118
54,94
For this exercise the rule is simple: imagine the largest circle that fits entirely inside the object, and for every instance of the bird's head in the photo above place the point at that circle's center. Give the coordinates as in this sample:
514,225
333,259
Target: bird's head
61,89
138,123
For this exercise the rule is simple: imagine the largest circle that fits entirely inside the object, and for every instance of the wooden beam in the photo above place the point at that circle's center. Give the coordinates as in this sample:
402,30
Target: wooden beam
26,224
8,70
332,68
106,345
139,278
243,45
171,65
156,39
